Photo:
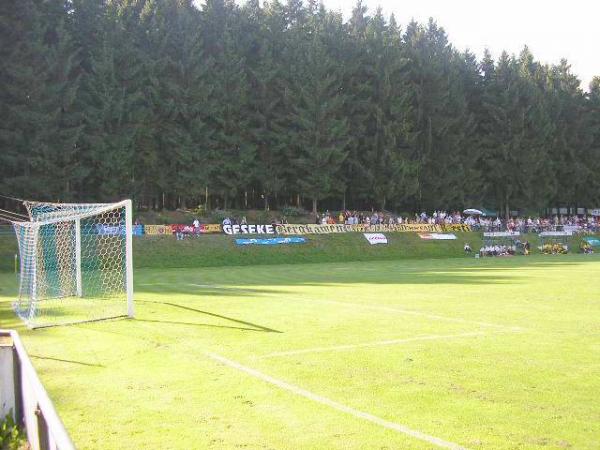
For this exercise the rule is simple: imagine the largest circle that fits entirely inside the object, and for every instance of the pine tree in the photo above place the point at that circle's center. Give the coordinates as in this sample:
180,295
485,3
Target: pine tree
320,131
230,149
40,125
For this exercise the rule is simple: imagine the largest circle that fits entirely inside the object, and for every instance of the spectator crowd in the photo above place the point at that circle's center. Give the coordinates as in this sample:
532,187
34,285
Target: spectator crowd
481,223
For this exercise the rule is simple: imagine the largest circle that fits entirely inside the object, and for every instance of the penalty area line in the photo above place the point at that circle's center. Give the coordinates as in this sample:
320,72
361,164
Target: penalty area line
335,405
333,348
410,312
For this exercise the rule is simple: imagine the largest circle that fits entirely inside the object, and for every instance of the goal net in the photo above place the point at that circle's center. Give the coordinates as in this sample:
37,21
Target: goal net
75,263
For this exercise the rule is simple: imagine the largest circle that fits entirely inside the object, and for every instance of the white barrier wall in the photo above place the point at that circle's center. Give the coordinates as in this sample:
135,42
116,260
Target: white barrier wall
23,396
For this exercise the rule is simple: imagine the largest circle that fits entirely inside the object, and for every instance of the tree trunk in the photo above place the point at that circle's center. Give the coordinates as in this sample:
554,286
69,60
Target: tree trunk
297,200
206,198
344,202
314,206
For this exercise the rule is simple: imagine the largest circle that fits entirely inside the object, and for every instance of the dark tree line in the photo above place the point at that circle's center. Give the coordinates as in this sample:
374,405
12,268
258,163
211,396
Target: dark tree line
281,104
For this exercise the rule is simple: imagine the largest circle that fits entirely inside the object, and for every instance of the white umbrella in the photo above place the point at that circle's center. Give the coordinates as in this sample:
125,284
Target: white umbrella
472,212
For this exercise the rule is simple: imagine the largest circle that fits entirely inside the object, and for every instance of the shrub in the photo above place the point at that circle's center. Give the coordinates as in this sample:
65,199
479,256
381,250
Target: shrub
11,438
218,215
291,211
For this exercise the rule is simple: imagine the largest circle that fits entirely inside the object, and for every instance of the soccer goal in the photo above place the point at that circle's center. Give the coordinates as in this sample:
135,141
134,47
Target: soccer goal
75,263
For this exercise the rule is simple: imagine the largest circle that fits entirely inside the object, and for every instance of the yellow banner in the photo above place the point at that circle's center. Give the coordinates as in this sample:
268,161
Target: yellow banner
456,227
360,228
404,228
155,230
210,228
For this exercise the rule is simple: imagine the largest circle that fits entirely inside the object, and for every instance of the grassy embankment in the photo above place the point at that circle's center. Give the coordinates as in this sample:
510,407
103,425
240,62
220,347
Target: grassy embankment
221,250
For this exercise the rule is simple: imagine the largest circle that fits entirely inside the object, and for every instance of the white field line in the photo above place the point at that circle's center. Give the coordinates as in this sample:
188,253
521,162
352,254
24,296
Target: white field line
335,405
427,315
187,284
335,348
376,307
403,311
359,305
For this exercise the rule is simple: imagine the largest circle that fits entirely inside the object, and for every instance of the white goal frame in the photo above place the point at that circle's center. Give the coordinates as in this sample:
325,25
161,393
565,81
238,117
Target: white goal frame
75,213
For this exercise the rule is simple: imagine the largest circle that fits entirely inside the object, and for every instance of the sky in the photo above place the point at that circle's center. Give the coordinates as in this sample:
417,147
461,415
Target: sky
552,29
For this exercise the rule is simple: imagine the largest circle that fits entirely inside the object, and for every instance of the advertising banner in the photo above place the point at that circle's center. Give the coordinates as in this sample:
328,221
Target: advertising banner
204,228
555,233
248,229
437,236
360,228
157,230
593,241
210,228
109,230
376,238
501,234
402,228
271,241
311,228
188,229
456,227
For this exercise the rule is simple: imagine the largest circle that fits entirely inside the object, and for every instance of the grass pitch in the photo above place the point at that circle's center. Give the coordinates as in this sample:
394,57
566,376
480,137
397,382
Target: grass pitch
494,353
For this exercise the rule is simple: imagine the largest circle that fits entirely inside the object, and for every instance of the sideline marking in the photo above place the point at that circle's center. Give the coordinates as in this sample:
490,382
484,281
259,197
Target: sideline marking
429,337
335,405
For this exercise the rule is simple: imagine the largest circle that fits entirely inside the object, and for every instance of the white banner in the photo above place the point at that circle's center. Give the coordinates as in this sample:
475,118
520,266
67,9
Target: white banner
556,233
248,229
438,236
502,234
375,238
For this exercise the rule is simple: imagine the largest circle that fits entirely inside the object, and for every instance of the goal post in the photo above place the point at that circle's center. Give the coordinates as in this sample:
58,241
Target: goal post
76,263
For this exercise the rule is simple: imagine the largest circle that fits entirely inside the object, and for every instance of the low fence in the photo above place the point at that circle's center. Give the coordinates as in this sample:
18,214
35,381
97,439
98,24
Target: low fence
23,396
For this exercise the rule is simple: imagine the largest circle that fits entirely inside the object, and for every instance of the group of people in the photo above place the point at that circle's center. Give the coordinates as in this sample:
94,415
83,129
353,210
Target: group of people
501,249
354,218
477,222
554,249
497,250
